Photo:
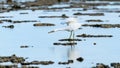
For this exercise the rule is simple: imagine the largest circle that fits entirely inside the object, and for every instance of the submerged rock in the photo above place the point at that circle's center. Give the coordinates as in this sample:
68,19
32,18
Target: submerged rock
94,43
94,20
62,16
24,13
66,44
6,16
115,65
25,21
80,59
8,66
70,40
46,62
13,59
43,24
25,66
1,21
95,36
57,43
65,63
103,25
7,20
25,46
90,14
38,62
70,61
9,26
101,65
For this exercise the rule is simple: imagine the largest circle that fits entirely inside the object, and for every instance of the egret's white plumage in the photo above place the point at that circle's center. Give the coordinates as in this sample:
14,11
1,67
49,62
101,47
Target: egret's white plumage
72,25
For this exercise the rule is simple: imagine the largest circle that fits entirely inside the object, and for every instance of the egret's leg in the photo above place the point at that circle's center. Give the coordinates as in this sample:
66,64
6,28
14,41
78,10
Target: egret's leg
70,34
73,35
70,37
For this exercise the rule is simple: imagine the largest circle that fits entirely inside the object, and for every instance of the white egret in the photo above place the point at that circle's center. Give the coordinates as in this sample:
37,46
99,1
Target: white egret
72,25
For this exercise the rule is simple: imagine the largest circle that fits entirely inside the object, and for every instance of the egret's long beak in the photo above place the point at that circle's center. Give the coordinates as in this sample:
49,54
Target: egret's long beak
51,32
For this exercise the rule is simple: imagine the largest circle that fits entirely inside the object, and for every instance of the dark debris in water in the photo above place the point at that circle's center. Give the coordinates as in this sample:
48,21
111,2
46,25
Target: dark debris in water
112,65
94,20
38,62
103,25
115,65
6,16
13,59
62,16
90,14
94,43
25,46
6,20
91,36
24,13
70,40
66,44
18,21
1,21
101,65
66,63
24,66
9,26
108,10
80,59
43,24
68,67
25,21
8,66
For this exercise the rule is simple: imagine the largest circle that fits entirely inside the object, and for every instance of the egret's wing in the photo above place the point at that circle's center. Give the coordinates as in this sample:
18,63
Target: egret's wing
61,29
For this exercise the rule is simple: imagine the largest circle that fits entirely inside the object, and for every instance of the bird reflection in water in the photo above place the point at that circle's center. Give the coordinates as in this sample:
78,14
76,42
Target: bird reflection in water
73,53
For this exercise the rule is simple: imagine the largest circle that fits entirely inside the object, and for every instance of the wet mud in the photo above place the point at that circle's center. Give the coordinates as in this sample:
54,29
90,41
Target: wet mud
43,24
90,14
102,25
93,36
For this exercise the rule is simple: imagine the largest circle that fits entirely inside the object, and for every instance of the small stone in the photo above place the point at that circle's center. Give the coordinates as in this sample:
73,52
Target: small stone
94,43
80,59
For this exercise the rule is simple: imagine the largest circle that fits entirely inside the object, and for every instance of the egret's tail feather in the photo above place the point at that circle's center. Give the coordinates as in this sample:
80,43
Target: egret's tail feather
51,32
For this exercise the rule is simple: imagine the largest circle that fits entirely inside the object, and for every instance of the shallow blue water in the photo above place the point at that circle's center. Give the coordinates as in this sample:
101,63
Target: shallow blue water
41,45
